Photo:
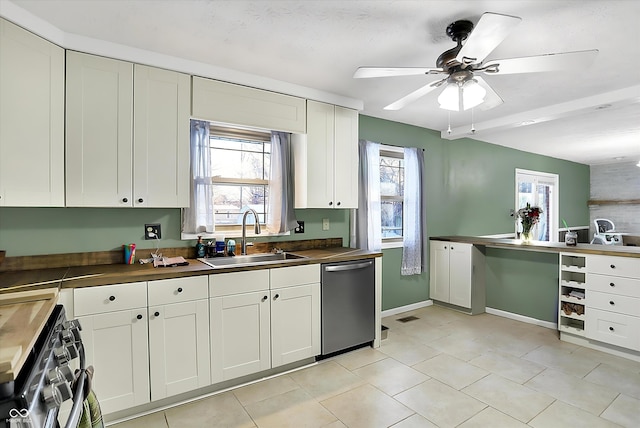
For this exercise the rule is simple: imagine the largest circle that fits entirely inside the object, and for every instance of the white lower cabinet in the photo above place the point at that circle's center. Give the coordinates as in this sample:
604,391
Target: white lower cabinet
262,319
295,314
240,320
114,333
179,358
239,335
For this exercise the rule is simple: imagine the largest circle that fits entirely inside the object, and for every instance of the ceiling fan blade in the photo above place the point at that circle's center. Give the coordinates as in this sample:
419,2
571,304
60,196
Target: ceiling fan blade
491,98
413,96
367,72
541,63
489,32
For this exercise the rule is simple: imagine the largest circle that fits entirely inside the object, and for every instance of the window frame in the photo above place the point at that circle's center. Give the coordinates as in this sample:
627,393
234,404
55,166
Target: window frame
240,136
398,153
554,203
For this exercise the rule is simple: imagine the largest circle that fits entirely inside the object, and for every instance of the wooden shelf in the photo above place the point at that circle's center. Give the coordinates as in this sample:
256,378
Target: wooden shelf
613,202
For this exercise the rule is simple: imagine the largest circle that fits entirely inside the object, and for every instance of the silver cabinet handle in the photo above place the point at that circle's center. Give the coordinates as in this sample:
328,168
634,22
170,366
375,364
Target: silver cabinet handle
338,268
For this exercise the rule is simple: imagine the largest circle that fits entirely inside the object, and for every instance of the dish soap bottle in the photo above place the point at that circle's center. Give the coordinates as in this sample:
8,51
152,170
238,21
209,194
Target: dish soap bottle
200,247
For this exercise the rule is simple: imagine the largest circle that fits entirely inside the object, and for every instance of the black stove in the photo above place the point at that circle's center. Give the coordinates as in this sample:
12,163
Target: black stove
33,399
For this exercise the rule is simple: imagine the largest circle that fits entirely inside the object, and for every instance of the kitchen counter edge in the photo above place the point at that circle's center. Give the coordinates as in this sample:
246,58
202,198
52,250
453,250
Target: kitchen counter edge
542,246
91,276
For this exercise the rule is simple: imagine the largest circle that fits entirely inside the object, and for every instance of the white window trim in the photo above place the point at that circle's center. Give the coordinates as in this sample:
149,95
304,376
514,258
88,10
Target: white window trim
555,179
392,242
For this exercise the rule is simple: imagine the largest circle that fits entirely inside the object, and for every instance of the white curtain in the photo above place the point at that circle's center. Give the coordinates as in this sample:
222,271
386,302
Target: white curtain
368,223
281,217
413,215
198,218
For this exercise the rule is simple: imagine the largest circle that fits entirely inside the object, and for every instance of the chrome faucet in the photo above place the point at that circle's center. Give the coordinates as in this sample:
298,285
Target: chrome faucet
256,229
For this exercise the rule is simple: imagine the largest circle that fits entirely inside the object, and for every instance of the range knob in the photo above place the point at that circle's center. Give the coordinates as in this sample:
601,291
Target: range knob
59,375
61,355
72,350
55,394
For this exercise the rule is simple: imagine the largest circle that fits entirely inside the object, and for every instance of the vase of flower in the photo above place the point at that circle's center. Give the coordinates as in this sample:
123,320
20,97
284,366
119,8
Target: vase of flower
529,217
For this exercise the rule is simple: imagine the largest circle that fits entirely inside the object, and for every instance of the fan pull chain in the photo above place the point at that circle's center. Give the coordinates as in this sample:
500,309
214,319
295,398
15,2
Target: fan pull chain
449,127
473,127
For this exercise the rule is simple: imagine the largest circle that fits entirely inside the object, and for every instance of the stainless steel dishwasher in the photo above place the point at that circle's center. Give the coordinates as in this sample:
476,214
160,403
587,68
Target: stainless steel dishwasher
348,305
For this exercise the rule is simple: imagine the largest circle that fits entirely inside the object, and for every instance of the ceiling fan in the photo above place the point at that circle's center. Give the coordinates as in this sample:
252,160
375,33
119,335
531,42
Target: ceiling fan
463,88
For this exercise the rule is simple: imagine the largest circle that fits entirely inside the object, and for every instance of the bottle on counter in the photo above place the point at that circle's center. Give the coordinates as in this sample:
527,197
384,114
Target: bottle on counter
231,247
200,250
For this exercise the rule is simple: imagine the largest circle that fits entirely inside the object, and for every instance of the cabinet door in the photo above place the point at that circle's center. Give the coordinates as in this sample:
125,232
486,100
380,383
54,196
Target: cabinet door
295,323
116,345
460,274
240,334
161,138
179,348
99,131
439,271
31,119
319,156
346,158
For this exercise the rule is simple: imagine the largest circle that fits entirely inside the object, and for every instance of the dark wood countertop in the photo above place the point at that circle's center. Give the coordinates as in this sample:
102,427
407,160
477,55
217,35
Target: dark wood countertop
88,276
541,246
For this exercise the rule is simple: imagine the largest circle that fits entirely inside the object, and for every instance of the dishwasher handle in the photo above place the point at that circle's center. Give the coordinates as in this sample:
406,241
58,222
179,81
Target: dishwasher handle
343,267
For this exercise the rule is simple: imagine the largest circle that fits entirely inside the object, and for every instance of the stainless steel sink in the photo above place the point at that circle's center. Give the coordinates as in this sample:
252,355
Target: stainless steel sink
250,259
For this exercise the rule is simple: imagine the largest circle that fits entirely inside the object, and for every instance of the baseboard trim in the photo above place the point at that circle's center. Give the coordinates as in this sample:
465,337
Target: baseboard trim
406,308
518,317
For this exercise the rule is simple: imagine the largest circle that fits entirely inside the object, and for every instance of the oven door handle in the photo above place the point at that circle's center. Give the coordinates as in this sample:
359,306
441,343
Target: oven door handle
78,394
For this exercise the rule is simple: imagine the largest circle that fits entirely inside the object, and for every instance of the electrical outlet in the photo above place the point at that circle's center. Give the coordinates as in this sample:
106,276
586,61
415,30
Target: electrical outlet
152,231
325,224
299,228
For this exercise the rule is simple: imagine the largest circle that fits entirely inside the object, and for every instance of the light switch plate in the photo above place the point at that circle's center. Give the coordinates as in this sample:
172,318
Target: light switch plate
325,224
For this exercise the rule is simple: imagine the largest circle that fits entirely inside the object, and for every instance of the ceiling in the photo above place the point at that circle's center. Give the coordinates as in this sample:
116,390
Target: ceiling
590,116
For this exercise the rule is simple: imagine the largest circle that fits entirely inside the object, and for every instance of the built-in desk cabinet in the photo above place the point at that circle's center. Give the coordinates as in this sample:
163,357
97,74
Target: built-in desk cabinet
456,275
118,155
31,119
606,310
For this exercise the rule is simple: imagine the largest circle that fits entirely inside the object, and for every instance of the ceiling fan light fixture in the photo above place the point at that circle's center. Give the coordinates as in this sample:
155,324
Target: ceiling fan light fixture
461,96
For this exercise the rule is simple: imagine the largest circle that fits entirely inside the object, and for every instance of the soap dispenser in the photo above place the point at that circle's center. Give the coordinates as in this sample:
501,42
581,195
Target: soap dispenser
200,248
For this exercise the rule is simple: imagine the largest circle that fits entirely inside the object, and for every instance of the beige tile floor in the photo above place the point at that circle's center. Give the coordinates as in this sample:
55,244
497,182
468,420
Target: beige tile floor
445,369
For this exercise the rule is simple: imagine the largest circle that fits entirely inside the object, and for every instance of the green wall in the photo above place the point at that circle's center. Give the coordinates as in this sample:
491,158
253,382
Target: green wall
469,188
32,231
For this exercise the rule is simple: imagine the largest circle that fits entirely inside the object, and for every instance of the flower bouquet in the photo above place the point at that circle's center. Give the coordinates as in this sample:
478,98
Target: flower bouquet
529,217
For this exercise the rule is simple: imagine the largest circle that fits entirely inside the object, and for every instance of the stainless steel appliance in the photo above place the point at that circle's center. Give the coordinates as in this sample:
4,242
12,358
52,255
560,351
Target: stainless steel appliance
34,397
348,305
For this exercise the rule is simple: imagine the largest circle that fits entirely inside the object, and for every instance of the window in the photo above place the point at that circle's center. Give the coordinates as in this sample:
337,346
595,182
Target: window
391,193
240,162
539,189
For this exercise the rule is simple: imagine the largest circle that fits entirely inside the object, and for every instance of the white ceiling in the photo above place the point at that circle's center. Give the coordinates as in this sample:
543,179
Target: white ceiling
319,44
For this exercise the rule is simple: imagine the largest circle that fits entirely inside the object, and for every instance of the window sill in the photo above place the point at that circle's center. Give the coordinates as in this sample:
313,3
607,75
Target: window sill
391,244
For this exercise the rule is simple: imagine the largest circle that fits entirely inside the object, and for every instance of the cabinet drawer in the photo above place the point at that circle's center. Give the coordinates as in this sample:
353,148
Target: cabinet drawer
618,266
614,303
294,275
224,284
614,285
616,329
109,298
176,290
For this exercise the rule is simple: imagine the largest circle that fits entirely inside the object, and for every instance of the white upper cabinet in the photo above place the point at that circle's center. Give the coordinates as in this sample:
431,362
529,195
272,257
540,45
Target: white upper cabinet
99,131
161,137
31,119
240,105
118,156
326,158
